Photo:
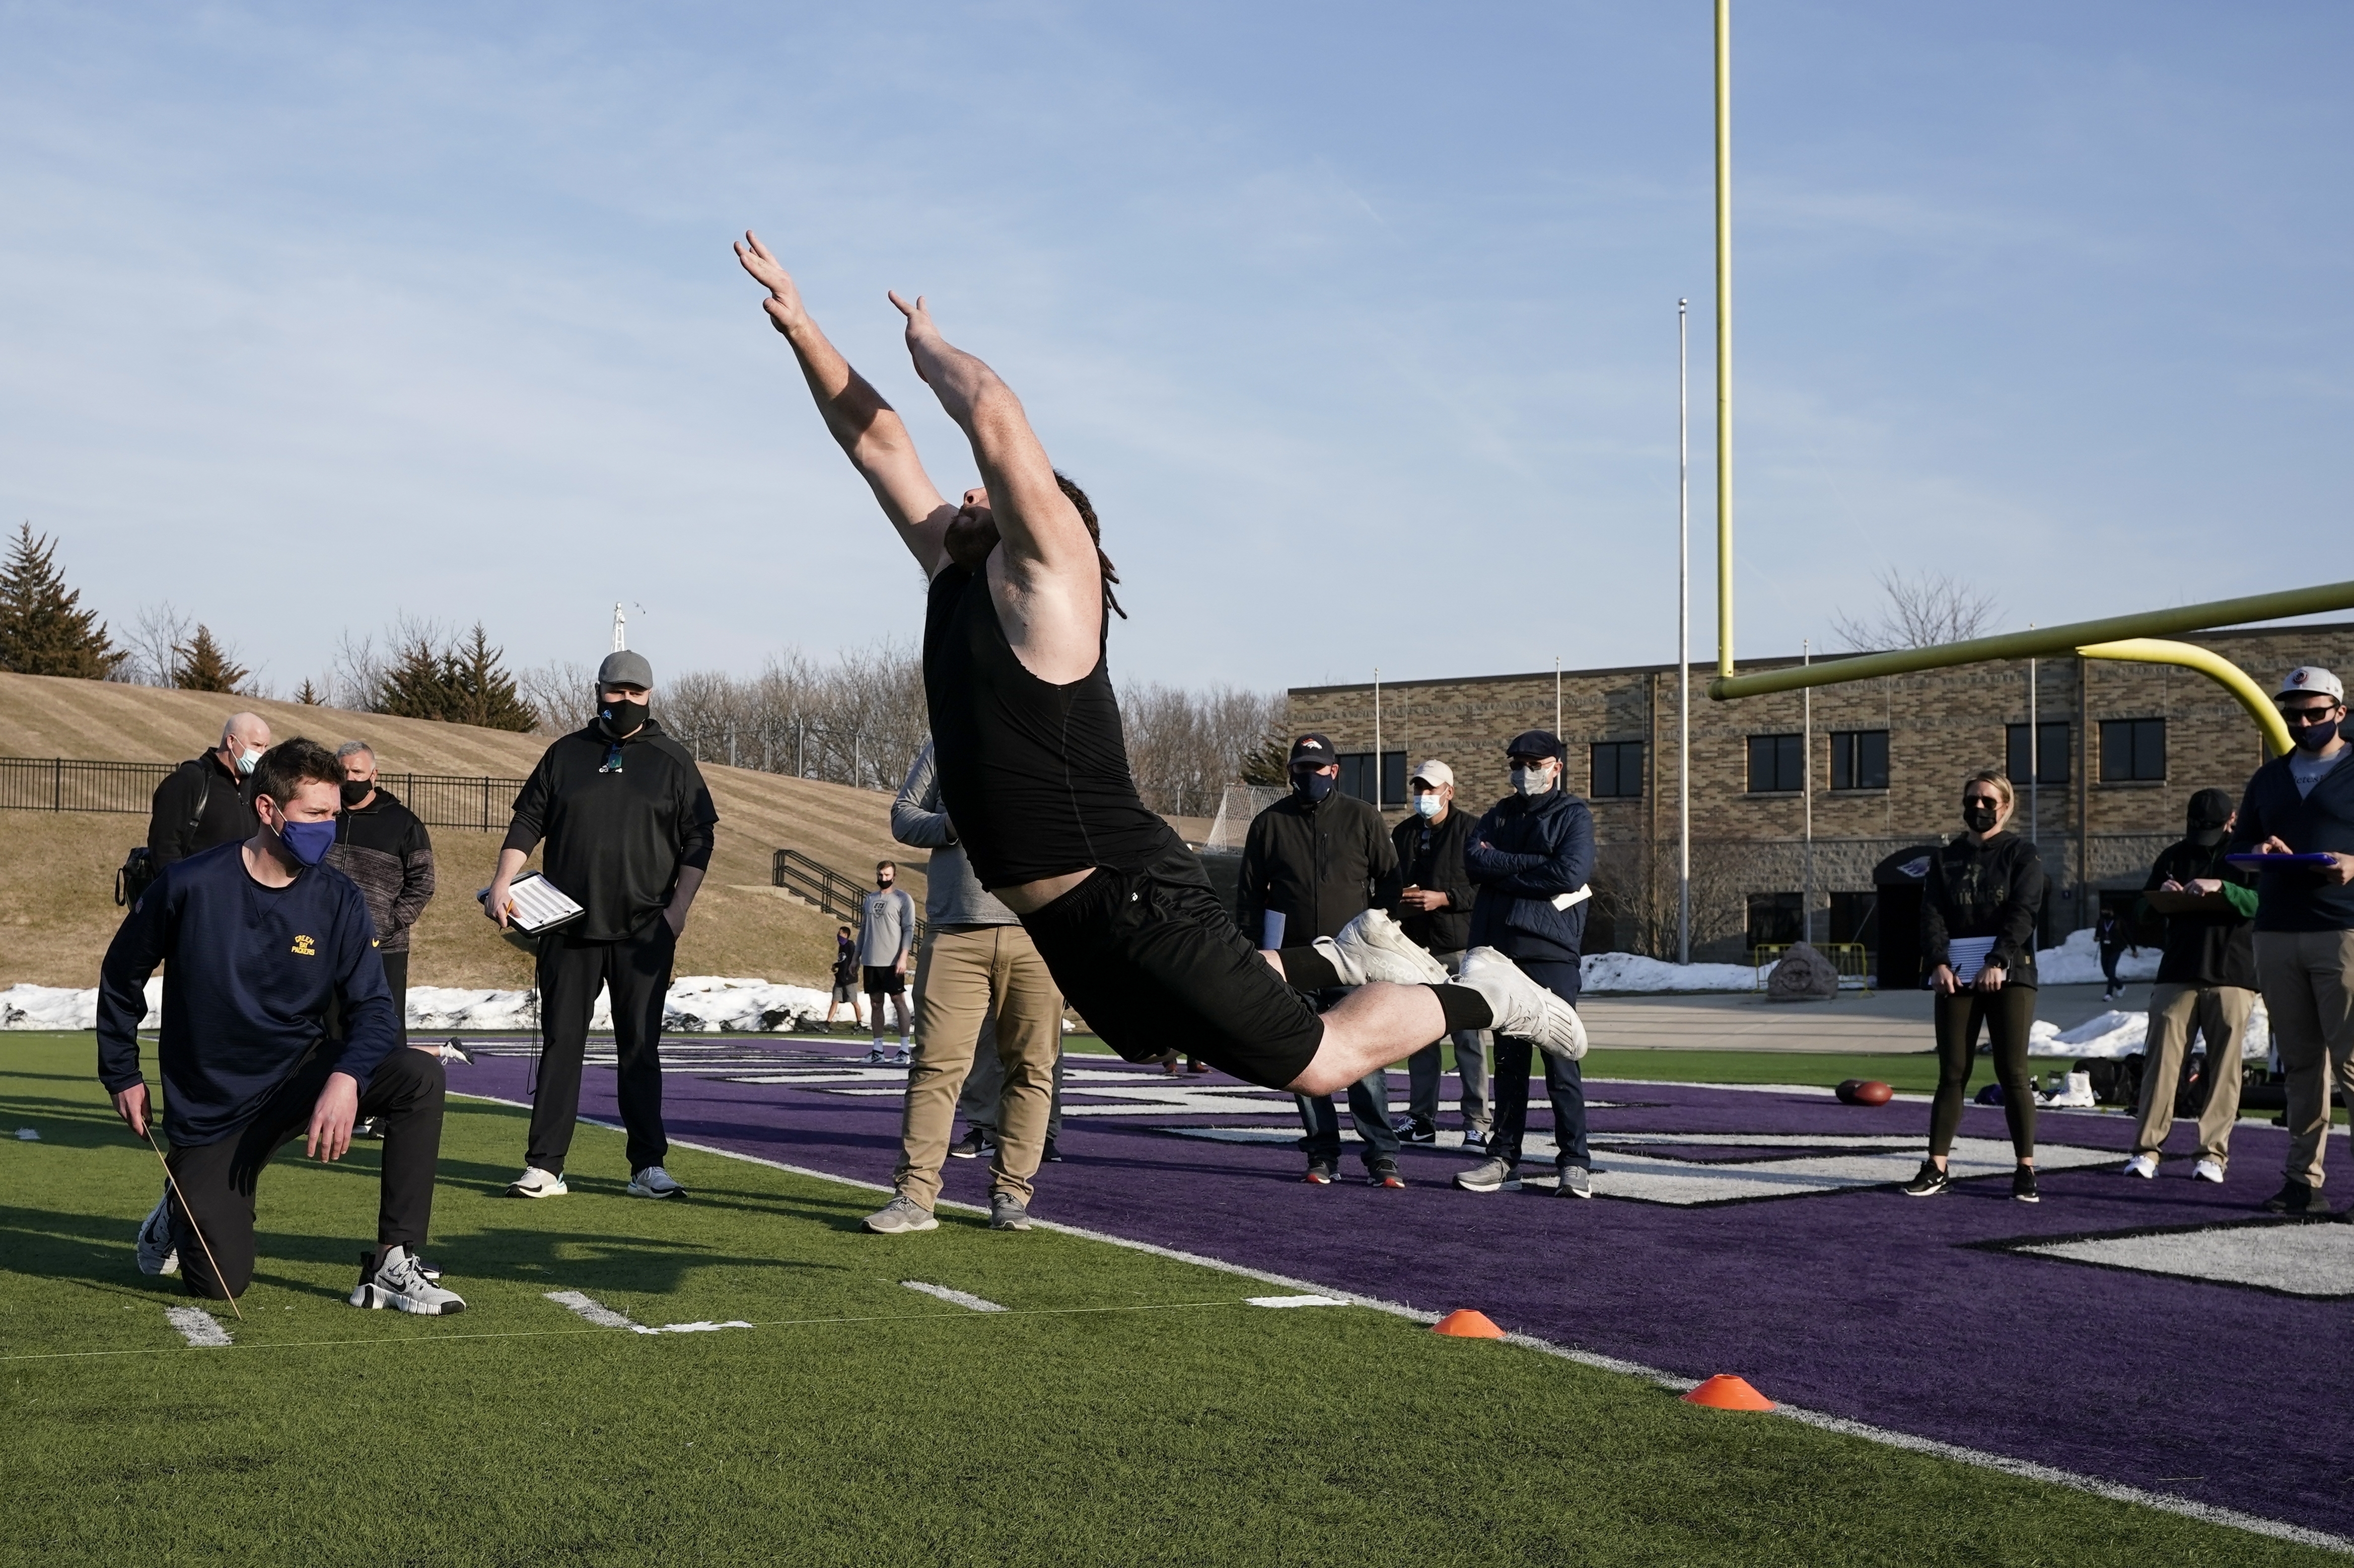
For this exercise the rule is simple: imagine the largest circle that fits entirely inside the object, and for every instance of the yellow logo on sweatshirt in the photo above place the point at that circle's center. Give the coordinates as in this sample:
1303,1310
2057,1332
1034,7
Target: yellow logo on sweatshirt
305,949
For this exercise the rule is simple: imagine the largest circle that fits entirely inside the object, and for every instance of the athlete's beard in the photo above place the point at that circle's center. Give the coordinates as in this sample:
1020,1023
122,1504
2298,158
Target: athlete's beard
970,539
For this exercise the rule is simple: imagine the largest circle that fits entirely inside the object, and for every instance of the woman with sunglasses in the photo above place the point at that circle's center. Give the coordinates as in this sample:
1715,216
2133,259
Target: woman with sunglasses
1979,910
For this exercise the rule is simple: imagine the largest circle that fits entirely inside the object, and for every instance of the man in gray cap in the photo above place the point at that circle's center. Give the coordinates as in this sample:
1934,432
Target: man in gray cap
2300,808
627,824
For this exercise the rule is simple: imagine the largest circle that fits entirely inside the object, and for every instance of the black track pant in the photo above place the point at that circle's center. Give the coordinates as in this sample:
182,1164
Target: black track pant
217,1179
2008,1014
396,975
637,970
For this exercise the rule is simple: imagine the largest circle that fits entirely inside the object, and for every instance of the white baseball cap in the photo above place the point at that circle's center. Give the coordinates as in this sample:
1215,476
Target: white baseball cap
2311,679
1435,773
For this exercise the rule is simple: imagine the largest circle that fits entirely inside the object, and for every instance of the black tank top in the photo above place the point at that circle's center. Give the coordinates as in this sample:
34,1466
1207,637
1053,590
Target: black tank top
1034,776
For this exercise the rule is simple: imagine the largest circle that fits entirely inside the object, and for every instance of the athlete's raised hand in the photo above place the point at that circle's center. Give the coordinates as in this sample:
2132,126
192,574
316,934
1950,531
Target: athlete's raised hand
784,301
920,330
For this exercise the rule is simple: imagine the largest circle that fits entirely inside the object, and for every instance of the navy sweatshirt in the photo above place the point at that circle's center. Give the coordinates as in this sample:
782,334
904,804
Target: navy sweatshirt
2290,898
255,975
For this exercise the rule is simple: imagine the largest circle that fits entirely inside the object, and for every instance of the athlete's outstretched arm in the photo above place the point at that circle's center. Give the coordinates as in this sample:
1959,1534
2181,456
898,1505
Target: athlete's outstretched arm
1037,521
867,428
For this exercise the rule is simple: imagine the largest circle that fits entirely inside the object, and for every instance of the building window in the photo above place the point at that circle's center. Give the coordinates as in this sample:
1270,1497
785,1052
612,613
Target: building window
1357,777
1777,764
2052,747
1855,918
1860,759
1617,770
1773,918
2132,751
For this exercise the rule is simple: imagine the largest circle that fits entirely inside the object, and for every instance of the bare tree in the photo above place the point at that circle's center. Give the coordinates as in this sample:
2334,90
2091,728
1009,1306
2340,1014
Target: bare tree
1184,746
155,641
562,692
1926,611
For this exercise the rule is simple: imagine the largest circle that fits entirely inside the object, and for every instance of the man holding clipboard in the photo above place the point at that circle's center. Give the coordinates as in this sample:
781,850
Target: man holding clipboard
2296,829
627,824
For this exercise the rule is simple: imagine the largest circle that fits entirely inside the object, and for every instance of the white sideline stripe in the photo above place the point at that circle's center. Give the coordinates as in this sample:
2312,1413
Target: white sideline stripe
198,1326
604,1316
2025,1470
962,1298
1292,1301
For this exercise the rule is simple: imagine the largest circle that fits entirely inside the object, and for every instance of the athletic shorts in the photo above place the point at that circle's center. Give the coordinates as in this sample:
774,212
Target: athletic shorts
1156,965
845,993
882,979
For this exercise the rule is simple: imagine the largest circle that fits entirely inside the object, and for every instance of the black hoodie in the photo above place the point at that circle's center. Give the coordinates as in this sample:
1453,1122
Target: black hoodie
1991,889
616,837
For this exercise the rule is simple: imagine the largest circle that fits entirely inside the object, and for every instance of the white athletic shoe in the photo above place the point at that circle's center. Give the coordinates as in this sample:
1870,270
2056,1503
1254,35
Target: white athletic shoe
156,1252
1380,947
536,1183
877,1056
654,1182
905,1058
1523,1008
2142,1165
2207,1170
399,1283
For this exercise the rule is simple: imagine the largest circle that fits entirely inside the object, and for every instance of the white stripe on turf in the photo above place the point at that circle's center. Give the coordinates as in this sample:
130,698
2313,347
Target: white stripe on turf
960,1298
588,1307
1292,1301
2026,1470
198,1326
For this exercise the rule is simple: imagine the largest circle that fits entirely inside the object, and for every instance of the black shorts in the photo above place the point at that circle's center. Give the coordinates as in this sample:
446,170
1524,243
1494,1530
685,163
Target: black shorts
1156,964
882,979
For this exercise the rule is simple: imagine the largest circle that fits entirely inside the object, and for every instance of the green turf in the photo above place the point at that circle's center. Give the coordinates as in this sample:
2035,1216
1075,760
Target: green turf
1130,1411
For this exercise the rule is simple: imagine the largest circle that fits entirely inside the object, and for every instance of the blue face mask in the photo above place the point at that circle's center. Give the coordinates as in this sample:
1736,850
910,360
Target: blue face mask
246,761
2316,736
308,842
1313,787
1428,804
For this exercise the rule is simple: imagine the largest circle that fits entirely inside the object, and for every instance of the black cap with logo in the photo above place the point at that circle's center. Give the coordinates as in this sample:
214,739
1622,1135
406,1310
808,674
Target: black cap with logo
1313,750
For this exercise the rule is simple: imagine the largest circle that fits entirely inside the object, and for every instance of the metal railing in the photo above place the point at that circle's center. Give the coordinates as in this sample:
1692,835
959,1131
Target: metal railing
67,784
841,897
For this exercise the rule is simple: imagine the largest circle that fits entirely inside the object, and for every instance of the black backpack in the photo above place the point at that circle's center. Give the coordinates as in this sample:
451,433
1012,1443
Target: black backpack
139,870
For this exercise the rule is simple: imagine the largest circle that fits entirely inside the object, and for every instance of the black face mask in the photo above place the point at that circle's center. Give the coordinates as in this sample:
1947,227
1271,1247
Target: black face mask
1977,816
1312,787
621,718
357,789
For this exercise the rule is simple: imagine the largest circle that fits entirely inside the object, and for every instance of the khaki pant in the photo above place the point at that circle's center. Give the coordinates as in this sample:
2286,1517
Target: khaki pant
2308,983
2220,1015
969,974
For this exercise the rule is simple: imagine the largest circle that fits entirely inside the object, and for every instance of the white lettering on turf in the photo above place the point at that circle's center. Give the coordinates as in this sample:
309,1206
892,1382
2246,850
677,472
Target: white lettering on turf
604,1316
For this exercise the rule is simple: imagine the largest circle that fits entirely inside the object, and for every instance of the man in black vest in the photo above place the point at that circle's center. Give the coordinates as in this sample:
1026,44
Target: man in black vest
627,824
202,802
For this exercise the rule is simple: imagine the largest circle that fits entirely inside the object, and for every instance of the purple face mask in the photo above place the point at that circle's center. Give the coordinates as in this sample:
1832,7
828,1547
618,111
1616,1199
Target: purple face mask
308,842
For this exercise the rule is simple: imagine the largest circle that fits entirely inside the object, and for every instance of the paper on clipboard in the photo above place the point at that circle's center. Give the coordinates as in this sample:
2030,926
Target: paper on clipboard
534,903
1967,956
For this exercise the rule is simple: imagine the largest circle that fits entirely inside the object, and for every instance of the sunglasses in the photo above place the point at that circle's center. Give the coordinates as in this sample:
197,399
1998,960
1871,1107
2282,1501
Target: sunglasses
2305,718
1992,802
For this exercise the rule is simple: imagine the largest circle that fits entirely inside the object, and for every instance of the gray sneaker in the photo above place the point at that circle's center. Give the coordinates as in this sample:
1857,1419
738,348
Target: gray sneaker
1574,1183
899,1217
1008,1213
1489,1176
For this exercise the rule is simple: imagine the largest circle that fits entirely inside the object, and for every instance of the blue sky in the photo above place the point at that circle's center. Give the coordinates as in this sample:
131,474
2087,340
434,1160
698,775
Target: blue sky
1358,321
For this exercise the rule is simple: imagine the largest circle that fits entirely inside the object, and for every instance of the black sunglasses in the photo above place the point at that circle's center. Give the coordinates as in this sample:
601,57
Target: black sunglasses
2304,718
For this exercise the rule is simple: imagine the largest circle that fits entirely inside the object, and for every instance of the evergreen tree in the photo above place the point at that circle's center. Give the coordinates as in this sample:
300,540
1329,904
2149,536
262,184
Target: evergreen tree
309,697
459,682
411,685
1270,763
43,631
204,666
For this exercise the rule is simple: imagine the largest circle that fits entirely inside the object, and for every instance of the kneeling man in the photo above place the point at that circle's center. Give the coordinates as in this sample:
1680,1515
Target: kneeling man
277,1024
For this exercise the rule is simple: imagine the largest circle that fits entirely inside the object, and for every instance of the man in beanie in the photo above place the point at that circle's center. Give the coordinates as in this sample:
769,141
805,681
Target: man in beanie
2206,981
2303,805
627,824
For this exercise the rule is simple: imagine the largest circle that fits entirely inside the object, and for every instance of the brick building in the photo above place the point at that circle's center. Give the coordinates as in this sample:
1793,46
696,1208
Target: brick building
2120,748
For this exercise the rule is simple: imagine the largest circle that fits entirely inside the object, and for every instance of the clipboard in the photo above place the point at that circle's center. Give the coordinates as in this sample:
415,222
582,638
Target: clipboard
2190,902
2275,861
535,904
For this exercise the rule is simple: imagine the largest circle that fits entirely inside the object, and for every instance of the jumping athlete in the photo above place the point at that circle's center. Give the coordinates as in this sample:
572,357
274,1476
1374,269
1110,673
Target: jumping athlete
1033,768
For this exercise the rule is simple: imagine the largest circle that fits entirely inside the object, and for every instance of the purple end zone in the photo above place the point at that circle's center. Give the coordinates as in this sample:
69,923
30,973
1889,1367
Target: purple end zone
1858,1301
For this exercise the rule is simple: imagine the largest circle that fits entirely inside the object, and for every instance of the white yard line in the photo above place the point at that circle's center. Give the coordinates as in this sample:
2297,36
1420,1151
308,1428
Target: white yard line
1293,1301
198,1326
604,1316
2024,1468
963,1298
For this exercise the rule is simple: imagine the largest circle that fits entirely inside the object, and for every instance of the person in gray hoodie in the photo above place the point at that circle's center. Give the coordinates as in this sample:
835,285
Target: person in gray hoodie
978,972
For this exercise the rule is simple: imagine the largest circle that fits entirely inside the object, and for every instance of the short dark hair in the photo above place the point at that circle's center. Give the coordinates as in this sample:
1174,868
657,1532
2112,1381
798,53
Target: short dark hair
891,864
291,764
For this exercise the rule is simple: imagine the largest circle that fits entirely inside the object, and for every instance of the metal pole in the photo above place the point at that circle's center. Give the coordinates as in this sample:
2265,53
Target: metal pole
1724,338
2034,754
1806,739
1556,695
1683,632
1377,737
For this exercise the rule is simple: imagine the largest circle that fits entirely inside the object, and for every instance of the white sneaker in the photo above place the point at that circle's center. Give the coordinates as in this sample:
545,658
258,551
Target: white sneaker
399,1283
877,1056
905,1058
2074,1092
2207,1170
654,1182
2142,1165
1380,947
536,1183
1523,1008
158,1256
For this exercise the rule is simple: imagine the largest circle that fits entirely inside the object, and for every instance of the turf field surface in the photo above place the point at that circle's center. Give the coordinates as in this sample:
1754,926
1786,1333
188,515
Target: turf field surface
1129,1408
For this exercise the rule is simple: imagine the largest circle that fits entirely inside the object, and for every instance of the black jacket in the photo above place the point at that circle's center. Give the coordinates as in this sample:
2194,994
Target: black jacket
1431,857
384,848
1993,889
1538,848
200,803
2292,899
2207,949
1320,866
615,838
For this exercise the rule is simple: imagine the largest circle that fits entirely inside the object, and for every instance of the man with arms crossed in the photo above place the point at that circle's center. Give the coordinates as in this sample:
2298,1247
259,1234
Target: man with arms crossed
1033,768
277,1025
886,935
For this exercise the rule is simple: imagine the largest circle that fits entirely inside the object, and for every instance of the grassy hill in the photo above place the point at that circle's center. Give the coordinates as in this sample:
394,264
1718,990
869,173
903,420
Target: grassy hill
57,870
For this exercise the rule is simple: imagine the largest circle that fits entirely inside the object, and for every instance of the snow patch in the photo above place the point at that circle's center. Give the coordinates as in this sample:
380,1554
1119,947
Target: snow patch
2077,961
697,1004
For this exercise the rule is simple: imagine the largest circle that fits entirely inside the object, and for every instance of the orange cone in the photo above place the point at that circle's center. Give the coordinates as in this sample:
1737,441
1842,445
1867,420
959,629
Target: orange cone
1726,1391
1467,1324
